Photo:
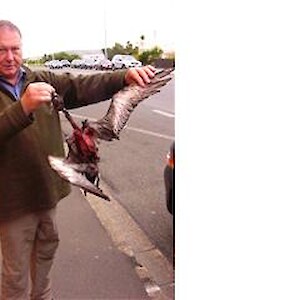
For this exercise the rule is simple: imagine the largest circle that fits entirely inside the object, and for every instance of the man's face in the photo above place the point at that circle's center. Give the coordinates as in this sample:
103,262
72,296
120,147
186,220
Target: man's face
10,53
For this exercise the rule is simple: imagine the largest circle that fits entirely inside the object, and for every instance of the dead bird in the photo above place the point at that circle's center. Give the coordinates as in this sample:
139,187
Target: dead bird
80,167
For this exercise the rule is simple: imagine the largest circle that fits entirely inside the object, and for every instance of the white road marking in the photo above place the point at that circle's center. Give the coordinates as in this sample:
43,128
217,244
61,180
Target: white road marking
163,136
143,131
169,115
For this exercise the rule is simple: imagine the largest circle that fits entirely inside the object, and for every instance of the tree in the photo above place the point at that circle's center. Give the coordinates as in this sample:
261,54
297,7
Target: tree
65,55
119,49
149,56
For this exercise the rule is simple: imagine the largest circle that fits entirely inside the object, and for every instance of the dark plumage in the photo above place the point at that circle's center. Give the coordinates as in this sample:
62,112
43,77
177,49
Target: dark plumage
81,165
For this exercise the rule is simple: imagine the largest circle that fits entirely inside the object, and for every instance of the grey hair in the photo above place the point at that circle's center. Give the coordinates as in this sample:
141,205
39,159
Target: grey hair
12,26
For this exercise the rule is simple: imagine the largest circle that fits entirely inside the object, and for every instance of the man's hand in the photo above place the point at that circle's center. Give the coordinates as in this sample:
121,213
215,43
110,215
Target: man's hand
35,95
140,76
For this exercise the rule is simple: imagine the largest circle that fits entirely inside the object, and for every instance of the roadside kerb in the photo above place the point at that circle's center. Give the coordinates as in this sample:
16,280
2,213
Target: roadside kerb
151,265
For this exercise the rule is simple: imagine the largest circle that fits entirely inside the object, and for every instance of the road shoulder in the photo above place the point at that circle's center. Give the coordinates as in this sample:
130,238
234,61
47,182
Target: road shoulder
153,268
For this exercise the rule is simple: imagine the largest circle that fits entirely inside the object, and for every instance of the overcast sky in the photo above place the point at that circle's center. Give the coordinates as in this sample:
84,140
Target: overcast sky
57,25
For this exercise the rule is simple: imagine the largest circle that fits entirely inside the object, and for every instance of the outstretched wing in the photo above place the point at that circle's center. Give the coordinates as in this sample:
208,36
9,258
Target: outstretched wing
124,102
72,173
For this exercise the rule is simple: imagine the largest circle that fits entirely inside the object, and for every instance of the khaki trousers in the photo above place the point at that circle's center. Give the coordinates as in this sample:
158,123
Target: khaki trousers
28,246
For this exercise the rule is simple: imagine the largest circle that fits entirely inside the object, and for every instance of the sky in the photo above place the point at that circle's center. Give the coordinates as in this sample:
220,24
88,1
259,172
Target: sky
59,25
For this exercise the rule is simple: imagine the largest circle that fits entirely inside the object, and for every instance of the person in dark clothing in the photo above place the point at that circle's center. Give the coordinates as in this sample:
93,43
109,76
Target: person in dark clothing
29,188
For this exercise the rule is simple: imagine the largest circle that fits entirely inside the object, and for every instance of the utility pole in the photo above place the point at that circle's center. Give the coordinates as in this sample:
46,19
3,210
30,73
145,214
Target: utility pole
105,31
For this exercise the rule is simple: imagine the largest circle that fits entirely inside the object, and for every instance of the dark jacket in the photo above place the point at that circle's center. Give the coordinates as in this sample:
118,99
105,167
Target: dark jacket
27,183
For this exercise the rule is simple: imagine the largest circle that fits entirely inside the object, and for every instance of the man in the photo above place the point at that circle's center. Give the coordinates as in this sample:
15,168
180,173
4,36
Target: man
29,189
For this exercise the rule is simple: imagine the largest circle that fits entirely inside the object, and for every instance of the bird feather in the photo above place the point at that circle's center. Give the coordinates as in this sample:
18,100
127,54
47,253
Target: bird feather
124,102
73,174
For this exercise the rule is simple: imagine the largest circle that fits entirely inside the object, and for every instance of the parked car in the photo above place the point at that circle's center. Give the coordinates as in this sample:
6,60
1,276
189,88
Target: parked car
169,179
55,64
104,64
76,63
125,61
88,63
65,63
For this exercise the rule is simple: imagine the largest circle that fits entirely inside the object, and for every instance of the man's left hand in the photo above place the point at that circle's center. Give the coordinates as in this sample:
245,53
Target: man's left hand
140,76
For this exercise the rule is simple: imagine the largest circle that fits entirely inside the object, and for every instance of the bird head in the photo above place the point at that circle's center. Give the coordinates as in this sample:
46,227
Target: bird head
89,130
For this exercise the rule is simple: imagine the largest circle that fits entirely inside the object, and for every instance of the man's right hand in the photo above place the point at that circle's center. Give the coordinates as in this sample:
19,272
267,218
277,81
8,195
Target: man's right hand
35,95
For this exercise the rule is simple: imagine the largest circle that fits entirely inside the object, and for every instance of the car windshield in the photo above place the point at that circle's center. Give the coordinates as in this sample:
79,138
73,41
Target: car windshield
129,57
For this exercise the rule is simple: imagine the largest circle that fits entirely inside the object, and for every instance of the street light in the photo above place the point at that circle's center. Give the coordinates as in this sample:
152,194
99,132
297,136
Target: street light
104,19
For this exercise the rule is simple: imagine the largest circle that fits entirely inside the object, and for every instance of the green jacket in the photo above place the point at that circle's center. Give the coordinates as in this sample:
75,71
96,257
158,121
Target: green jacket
27,183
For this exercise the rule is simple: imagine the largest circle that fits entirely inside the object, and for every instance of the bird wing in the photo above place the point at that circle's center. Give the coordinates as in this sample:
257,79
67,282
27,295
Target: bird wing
72,173
124,102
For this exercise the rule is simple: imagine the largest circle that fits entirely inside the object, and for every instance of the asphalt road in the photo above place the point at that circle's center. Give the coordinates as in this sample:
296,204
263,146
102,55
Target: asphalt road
133,166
